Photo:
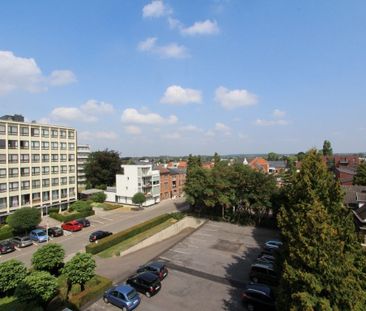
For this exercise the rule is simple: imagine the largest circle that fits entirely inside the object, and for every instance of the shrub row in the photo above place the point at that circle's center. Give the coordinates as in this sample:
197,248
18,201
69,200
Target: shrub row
6,232
73,216
91,293
94,248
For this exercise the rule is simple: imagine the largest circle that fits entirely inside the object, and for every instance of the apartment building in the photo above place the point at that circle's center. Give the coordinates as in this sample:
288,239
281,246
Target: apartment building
37,165
83,152
172,182
133,179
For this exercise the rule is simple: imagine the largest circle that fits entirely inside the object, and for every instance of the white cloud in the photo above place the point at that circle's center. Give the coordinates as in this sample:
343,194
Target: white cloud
262,122
278,113
155,9
102,135
173,135
44,121
71,114
221,127
18,73
206,27
171,50
190,128
131,115
62,77
93,106
176,95
174,23
230,99
132,129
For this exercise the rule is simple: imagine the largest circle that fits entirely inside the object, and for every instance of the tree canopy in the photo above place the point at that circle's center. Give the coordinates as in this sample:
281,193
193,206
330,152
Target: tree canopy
138,198
49,258
101,168
12,272
360,177
272,156
327,148
24,219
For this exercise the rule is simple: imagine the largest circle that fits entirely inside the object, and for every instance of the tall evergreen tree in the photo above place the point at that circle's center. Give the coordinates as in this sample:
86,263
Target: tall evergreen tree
360,177
323,267
327,148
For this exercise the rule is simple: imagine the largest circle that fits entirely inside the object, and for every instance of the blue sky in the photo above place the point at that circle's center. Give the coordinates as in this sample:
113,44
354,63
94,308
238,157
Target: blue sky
179,77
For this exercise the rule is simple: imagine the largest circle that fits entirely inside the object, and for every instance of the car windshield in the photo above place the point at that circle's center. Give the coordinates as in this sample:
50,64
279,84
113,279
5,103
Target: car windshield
41,233
132,294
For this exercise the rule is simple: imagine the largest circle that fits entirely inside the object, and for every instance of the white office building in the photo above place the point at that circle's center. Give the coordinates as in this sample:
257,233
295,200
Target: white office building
134,179
37,165
83,153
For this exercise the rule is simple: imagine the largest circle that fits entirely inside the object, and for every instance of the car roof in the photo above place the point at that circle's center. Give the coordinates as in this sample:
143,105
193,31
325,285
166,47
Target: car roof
155,264
96,232
257,287
5,242
264,265
72,222
123,288
37,230
146,276
54,228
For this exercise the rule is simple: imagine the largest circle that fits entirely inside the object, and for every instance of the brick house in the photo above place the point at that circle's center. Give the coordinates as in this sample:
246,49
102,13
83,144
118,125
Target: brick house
259,164
172,182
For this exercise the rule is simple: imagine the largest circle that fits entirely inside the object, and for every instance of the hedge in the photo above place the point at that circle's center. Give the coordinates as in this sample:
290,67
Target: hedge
6,232
73,216
91,293
94,248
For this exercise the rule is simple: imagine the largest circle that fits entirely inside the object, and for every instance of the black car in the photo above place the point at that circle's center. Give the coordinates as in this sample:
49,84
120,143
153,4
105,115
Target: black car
97,235
266,258
146,282
263,272
157,267
55,232
258,297
6,247
84,222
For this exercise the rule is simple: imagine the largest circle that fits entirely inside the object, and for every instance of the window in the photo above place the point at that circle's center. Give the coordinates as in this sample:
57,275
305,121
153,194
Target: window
34,132
13,158
71,168
63,180
63,169
63,146
24,144
2,129
25,199
55,182
36,158
71,134
2,158
62,134
71,157
13,186
3,187
13,172
54,194
54,169
45,158
36,197
71,146
12,144
14,201
35,145
63,157
2,172
12,130
54,157
45,145
45,195
3,202
63,193
36,184
36,171
45,170
25,185
45,132
45,182
2,144
24,131
24,171
71,191
54,133
54,146
72,180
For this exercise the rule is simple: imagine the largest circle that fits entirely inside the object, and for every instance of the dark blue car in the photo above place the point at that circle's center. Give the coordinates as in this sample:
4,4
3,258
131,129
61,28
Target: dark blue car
122,296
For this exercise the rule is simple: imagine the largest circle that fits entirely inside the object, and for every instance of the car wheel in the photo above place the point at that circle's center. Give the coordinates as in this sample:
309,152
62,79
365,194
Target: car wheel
105,299
147,294
250,307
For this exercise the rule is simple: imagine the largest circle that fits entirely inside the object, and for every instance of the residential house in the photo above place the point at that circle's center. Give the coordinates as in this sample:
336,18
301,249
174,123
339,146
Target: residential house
171,182
276,167
259,164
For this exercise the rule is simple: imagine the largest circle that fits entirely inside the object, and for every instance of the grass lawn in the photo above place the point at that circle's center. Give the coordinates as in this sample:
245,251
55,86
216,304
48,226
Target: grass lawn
116,249
107,206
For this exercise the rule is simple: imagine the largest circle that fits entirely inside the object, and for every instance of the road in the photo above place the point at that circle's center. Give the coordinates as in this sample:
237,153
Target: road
113,221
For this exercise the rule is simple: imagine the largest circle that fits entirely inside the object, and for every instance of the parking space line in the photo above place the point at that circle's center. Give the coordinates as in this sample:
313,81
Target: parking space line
105,218
176,251
98,221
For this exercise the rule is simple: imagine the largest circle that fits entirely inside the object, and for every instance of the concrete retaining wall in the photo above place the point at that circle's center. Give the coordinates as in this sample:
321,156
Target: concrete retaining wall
186,222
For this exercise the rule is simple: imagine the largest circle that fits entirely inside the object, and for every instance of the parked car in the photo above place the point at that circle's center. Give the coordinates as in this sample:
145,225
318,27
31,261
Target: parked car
263,257
157,267
122,296
71,226
21,241
97,235
38,235
273,244
6,247
55,232
146,282
84,222
258,297
263,273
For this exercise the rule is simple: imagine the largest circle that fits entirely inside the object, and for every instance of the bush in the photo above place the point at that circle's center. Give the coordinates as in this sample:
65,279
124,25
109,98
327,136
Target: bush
49,258
92,292
73,216
12,272
80,206
6,232
94,248
98,197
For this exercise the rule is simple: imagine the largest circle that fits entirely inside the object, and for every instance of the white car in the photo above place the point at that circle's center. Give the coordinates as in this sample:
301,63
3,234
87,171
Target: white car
273,244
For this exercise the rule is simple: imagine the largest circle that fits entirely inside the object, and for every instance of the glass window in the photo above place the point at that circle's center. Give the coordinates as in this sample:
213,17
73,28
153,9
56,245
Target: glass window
71,146
36,171
13,186
64,181
2,144
72,180
45,195
25,185
36,158
36,197
12,144
24,171
71,157
24,144
54,145
54,133
13,158
63,157
63,146
45,145
62,133
54,169
24,131
13,172
2,129
14,201
2,172
45,170
45,132
54,157
45,158
3,187
54,194
35,145
2,158
34,131
12,130
36,183
55,181
71,134
45,182
63,169
3,202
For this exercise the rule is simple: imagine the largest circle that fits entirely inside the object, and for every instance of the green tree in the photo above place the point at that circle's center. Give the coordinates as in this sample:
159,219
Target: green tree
101,168
323,265
80,206
360,177
301,155
24,219
49,258
80,269
12,272
99,197
38,286
273,156
139,199
327,148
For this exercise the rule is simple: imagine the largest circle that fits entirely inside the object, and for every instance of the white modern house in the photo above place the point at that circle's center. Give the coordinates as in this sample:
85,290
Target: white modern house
134,179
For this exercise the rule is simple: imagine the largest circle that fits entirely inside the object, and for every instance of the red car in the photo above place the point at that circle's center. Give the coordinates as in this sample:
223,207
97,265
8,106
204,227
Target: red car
72,226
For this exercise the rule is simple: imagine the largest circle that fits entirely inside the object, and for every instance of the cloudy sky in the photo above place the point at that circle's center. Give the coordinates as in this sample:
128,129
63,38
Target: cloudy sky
178,77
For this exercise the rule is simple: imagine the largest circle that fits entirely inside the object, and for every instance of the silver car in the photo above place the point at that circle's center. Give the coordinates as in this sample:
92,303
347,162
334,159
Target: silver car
21,241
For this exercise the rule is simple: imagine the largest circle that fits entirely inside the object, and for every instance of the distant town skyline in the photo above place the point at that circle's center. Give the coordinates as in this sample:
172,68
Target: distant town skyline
149,78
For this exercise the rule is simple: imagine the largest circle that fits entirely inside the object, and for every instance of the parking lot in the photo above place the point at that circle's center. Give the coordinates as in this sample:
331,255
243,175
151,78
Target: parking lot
207,270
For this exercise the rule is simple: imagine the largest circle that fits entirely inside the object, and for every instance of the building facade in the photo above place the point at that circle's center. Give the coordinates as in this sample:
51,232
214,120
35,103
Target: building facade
83,152
37,165
134,179
171,183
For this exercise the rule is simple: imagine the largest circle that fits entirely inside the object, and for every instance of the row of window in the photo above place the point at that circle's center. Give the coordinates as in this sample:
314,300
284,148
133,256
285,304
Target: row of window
34,171
35,145
26,185
36,158
34,198
36,132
